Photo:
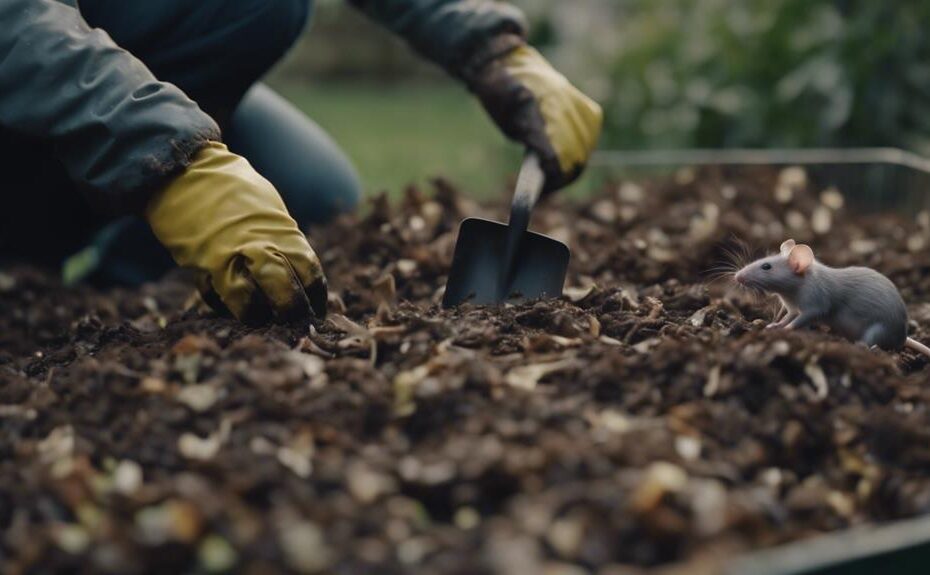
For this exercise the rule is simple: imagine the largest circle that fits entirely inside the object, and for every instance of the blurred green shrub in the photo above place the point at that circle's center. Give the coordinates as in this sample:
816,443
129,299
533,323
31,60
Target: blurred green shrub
767,73
689,73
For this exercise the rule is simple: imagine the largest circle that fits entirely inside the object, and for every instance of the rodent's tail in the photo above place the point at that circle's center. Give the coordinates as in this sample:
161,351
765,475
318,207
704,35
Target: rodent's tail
917,346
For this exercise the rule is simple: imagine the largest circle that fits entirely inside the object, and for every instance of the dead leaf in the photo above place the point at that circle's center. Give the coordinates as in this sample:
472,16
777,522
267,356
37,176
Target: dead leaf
57,446
577,294
204,448
191,344
713,382
818,378
385,289
659,478
199,397
528,376
298,454
697,318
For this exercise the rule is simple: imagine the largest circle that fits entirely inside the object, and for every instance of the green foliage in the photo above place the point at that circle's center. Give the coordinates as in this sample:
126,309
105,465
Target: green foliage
770,73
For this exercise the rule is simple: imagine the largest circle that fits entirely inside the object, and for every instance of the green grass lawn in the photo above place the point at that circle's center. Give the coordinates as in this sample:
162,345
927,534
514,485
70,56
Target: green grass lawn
398,135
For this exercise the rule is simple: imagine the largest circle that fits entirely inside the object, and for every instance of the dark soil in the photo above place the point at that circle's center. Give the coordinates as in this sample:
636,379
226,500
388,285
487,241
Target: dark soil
644,420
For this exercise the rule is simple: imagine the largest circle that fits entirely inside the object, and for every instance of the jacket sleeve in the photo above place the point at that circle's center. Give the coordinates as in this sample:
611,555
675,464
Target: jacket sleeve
456,34
120,133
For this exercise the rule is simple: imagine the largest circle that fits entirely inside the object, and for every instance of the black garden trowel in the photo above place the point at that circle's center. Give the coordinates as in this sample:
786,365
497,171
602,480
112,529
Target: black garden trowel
496,263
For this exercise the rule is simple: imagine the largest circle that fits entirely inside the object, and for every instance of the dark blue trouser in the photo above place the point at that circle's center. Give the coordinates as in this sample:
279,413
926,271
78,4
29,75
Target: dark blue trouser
216,51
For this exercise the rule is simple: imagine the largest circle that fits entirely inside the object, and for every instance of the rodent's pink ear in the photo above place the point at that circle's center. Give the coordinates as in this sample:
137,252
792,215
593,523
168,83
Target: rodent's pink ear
801,258
786,247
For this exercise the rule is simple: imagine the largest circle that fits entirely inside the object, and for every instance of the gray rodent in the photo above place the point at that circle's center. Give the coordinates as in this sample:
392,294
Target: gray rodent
857,303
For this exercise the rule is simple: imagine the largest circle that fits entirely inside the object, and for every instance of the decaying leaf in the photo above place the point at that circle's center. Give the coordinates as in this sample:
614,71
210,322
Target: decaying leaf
527,376
697,318
359,336
193,446
199,397
297,455
57,446
815,373
646,345
191,344
713,382
173,520
385,289
659,478
577,294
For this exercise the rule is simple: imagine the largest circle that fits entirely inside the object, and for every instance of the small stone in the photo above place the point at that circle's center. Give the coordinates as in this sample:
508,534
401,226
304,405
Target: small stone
566,535
916,243
863,247
173,520
366,485
304,547
604,211
795,220
783,194
406,267
466,518
153,385
412,551
832,198
794,177
71,538
821,220
7,282
631,193
216,554
127,478
689,448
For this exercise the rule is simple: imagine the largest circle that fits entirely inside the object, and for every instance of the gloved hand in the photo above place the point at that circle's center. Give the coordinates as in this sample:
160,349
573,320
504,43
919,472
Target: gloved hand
536,105
223,219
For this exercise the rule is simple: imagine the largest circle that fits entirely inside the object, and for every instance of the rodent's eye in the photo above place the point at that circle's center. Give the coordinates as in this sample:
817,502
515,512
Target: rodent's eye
766,267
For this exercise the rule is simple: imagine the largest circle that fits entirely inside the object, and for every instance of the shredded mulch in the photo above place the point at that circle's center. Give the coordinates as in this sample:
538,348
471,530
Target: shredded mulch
645,420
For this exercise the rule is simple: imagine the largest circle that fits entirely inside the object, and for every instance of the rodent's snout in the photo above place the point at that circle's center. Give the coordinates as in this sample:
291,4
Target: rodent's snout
739,277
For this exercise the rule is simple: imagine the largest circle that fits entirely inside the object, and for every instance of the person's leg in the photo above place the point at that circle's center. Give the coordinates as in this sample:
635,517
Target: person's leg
215,50
43,218
314,176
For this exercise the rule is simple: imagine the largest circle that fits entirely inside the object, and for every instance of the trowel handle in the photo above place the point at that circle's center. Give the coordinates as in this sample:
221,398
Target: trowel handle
530,183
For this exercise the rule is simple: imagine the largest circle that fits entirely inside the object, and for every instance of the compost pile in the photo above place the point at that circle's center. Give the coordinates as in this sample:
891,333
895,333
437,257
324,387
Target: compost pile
645,420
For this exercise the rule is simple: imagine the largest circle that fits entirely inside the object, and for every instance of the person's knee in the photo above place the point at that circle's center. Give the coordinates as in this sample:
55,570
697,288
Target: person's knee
334,193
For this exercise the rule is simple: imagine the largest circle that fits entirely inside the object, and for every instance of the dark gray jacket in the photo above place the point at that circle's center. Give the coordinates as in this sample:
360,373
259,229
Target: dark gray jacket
122,134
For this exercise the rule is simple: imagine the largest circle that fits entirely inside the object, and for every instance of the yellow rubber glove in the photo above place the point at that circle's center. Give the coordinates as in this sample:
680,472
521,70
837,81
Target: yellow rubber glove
536,105
222,218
